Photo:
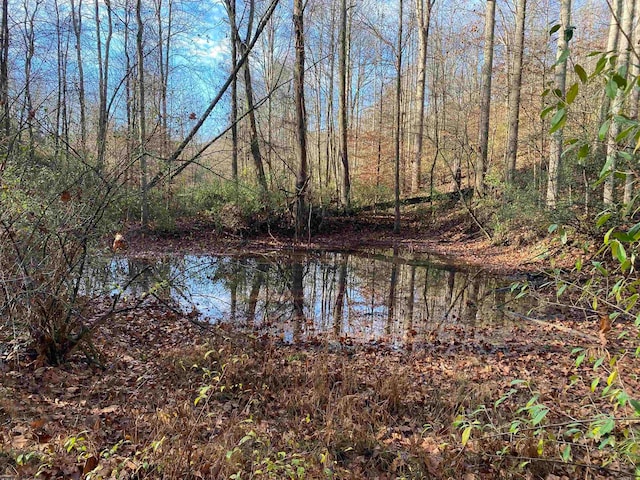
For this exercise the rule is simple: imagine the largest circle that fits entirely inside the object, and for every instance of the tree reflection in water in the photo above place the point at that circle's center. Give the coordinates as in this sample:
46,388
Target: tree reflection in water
367,297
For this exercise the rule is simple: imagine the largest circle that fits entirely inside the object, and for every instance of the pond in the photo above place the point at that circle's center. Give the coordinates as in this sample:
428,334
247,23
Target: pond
365,297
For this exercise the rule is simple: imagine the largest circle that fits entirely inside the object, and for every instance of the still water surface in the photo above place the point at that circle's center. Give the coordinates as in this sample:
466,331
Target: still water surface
377,296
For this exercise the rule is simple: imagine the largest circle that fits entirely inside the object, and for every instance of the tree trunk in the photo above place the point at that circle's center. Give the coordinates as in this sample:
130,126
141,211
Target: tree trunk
5,123
514,92
76,17
423,15
342,108
396,224
622,65
555,154
103,82
301,121
485,101
597,147
248,85
633,107
234,93
142,135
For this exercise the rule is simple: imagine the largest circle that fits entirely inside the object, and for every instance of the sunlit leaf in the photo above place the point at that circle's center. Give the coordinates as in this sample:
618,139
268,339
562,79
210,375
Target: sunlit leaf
602,219
466,433
572,93
582,75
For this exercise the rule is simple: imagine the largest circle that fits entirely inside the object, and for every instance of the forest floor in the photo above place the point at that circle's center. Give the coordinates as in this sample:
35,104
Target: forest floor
159,395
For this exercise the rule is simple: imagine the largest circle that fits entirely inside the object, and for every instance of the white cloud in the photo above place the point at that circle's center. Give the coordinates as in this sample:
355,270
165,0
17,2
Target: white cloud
207,49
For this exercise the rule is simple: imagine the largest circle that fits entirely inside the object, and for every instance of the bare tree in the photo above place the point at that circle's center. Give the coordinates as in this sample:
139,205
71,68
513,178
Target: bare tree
4,68
76,16
423,17
485,105
622,65
231,5
555,155
396,224
342,108
103,79
248,85
301,120
142,134
514,92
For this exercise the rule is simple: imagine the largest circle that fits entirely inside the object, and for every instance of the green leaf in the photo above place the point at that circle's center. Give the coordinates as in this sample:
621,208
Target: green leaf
636,405
568,33
598,363
594,383
572,93
466,434
618,251
611,88
546,111
539,416
583,151
602,219
604,128
602,62
634,232
566,452
558,120
620,80
582,75
554,29
608,425
605,240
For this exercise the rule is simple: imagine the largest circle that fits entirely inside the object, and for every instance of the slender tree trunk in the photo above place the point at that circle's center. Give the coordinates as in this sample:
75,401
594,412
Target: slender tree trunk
234,93
142,135
423,15
29,111
622,65
301,120
5,123
128,91
514,92
103,81
597,147
248,85
61,137
555,154
342,108
396,224
629,178
485,105
76,17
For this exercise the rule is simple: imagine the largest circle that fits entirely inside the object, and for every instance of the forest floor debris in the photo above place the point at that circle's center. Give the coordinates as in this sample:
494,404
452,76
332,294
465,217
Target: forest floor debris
172,399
